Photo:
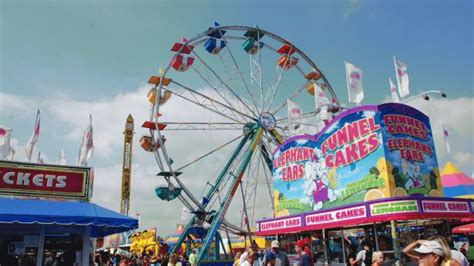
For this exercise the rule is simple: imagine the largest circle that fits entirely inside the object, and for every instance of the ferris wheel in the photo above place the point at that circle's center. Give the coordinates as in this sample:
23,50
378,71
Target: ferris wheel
244,77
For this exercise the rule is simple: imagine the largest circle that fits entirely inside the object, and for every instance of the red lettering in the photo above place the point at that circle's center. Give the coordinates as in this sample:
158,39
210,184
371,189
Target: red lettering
362,145
373,142
364,130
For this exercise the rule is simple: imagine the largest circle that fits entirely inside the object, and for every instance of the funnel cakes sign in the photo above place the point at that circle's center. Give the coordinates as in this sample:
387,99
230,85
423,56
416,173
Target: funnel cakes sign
45,181
365,153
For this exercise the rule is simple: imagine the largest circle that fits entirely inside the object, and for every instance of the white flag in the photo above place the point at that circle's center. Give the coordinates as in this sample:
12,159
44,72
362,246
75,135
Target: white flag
393,90
320,98
6,151
295,115
402,78
62,158
34,138
446,138
354,83
87,147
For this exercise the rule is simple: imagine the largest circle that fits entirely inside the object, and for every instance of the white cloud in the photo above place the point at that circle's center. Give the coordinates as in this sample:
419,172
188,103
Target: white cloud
15,105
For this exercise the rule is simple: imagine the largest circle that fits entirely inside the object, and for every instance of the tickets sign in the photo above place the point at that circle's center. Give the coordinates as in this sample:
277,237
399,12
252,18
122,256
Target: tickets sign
45,181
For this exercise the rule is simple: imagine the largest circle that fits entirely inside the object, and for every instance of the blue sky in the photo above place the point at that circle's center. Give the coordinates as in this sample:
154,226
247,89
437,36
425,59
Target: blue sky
72,58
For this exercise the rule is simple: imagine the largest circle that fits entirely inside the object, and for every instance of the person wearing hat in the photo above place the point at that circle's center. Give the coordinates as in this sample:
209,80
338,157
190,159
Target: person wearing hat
281,259
301,248
428,252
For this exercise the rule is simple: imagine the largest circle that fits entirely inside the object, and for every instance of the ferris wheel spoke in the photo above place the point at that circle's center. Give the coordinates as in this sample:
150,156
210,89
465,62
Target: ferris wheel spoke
202,125
209,153
214,88
275,86
203,106
239,71
194,92
224,83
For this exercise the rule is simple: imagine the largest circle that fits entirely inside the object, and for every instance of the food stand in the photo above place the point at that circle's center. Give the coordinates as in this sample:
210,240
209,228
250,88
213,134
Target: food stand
370,174
45,214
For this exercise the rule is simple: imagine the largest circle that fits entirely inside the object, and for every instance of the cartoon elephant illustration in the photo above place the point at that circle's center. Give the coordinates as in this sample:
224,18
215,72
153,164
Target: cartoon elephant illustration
317,187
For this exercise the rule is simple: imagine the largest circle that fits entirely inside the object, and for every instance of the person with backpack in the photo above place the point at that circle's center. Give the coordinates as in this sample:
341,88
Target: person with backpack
364,257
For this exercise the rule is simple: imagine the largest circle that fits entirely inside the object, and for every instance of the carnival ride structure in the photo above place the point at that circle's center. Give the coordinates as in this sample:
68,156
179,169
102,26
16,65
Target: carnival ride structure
225,70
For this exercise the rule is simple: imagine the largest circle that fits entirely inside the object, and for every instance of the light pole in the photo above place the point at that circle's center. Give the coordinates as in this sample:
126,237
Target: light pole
425,95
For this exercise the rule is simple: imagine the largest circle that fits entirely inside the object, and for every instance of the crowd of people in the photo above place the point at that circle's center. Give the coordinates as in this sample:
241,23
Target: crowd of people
434,251
255,256
108,259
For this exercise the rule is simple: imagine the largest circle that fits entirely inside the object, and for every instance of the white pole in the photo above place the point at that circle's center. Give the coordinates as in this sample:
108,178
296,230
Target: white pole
86,246
39,258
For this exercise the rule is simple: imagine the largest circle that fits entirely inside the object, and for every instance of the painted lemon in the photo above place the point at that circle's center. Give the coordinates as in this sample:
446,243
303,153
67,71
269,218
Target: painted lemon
399,192
435,193
283,212
385,172
332,177
373,194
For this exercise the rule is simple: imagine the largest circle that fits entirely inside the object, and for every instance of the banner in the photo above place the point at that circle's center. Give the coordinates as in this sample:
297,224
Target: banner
402,78
354,83
394,207
34,138
6,151
439,206
87,146
393,91
295,116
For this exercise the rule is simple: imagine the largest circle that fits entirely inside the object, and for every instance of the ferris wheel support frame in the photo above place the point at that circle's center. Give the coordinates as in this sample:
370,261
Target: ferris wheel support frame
210,194
229,194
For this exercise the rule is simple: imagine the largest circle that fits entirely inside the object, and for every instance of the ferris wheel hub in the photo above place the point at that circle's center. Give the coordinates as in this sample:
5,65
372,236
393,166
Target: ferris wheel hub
267,121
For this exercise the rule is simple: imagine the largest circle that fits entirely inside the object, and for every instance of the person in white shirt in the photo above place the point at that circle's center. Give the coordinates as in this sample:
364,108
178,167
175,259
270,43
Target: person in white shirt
251,259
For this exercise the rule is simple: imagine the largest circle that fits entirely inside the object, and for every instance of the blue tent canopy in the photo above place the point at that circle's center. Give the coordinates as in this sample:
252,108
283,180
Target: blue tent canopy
101,220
